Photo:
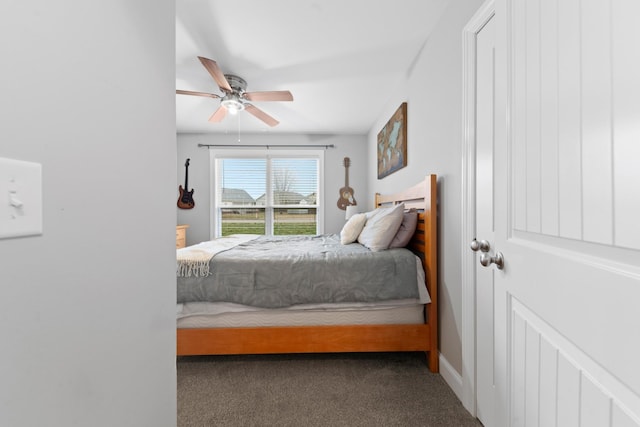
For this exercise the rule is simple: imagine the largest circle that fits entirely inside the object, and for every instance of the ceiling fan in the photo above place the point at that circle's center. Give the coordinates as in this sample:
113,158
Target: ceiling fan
235,98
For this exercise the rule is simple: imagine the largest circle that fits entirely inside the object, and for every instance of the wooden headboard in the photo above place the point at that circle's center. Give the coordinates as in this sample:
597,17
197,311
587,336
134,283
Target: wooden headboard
424,243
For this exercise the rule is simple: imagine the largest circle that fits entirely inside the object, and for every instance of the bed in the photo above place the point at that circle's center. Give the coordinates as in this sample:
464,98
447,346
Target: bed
400,325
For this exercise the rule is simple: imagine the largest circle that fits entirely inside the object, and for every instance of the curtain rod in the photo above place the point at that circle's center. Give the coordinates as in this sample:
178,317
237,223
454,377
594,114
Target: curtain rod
267,146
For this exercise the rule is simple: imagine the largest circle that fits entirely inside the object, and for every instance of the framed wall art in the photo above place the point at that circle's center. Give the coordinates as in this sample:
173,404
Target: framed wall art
392,143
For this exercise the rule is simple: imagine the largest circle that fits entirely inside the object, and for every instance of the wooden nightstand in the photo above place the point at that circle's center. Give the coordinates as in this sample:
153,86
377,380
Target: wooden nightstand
181,236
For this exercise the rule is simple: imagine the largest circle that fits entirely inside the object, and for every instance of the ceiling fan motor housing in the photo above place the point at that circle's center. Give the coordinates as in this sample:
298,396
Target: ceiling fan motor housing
238,84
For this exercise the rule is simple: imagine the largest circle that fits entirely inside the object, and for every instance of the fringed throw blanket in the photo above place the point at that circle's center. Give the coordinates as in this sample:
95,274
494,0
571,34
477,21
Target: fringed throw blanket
193,261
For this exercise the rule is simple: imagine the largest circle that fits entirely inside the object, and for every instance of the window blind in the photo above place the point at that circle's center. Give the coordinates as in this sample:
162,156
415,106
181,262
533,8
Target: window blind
267,195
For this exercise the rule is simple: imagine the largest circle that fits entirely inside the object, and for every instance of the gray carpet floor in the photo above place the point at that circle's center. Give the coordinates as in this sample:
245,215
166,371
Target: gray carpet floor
369,389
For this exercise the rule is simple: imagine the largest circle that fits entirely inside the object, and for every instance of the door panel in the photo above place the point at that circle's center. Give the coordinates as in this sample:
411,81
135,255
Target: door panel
569,143
560,384
566,302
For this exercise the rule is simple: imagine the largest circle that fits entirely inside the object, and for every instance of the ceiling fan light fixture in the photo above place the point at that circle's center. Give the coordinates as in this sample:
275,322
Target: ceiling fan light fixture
232,103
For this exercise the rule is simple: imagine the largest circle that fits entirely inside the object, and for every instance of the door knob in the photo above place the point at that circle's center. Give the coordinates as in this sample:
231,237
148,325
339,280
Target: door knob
482,245
486,260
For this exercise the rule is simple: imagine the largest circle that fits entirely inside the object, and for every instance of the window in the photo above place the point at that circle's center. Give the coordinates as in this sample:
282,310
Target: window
267,193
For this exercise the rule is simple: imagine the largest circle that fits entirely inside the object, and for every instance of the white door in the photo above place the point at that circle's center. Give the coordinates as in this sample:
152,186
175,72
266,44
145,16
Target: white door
484,224
567,213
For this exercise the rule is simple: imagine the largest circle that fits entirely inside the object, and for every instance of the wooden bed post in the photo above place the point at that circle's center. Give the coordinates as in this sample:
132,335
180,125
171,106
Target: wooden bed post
424,197
431,259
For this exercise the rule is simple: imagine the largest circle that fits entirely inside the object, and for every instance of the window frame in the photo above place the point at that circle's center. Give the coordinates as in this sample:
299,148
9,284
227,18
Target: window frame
215,225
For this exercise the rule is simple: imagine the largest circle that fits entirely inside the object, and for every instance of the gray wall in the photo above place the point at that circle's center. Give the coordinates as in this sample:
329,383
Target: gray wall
352,146
87,310
433,91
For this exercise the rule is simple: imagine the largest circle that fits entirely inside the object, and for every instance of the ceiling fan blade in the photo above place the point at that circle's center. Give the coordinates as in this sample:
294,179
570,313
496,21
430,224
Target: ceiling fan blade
190,92
251,109
275,95
216,73
218,115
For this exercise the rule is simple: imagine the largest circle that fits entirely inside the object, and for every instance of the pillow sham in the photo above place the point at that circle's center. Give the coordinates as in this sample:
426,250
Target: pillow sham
406,230
381,226
352,228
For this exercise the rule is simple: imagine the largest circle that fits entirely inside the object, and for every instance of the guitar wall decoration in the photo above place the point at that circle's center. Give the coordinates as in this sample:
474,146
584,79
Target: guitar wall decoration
346,192
185,201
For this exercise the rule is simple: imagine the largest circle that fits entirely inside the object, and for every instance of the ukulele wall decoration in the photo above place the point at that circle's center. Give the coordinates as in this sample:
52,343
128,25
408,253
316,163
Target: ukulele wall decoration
346,192
185,201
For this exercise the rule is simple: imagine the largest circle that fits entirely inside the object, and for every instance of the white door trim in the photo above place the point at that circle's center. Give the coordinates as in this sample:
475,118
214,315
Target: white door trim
469,34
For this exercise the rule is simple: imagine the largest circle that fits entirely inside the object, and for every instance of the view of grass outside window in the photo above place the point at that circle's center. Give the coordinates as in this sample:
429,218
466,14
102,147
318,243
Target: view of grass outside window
242,221
294,221
270,196
285,222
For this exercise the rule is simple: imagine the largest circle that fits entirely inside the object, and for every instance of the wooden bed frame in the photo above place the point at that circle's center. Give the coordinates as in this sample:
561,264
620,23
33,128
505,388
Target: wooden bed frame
344,338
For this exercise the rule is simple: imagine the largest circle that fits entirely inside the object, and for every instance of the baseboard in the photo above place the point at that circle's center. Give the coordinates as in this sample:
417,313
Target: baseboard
451,377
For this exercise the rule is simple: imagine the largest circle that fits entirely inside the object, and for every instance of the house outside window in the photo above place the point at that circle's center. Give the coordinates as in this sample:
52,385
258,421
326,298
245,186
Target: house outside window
267,192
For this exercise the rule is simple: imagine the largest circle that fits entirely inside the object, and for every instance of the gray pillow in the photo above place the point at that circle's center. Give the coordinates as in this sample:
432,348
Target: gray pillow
406,230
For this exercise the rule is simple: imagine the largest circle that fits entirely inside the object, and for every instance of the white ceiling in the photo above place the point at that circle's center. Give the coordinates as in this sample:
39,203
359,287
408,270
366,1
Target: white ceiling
341,59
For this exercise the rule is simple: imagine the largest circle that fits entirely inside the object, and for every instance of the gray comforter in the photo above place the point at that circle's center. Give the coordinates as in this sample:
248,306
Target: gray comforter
273,272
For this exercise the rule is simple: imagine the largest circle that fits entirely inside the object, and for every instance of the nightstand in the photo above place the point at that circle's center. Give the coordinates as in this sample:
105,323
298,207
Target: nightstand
181,236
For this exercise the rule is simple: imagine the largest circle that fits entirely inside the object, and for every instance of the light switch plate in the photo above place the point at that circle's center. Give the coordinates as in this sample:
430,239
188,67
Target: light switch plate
20,198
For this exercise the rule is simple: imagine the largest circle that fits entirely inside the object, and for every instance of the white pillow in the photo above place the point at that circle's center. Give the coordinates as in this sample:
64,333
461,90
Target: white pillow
352,228
381,227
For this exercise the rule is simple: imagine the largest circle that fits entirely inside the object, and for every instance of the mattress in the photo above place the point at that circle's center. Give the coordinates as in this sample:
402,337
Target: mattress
229,315
406,314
